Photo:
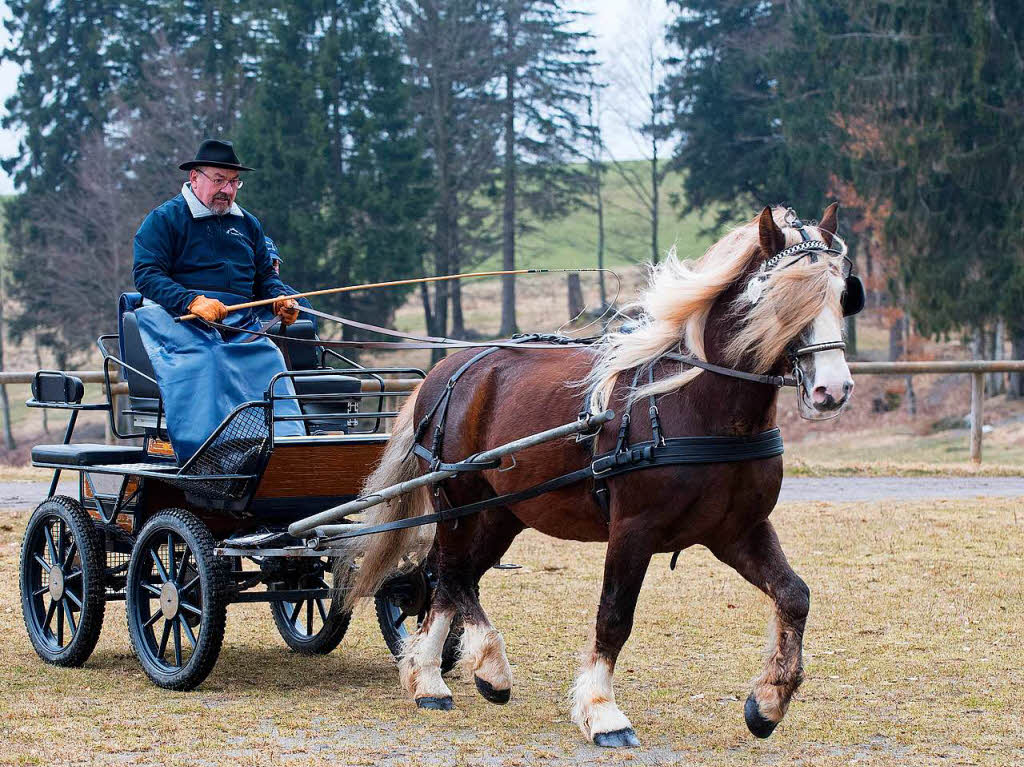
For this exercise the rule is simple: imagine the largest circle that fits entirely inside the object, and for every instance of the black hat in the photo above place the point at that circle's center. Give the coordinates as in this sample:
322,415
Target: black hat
217,154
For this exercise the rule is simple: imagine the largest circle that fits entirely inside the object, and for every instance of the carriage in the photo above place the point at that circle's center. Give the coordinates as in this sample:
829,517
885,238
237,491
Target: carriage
179,543
762,310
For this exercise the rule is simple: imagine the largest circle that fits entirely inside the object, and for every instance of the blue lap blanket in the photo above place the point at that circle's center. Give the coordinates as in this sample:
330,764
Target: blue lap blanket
204,374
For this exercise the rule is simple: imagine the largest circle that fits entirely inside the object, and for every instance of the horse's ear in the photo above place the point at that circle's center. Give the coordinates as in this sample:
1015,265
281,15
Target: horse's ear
829,222
771,238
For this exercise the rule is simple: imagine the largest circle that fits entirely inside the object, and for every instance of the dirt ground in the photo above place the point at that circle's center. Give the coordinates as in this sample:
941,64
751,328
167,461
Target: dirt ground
912,656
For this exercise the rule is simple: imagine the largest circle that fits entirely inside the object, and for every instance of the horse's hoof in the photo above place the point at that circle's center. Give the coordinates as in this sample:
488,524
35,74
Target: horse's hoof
494,696
756,723
625,738
436,704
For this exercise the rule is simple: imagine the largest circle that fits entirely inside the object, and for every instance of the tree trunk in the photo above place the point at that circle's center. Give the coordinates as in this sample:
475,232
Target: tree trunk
508,254
896,347
575,292
655,253
996,383
5,405
1016,389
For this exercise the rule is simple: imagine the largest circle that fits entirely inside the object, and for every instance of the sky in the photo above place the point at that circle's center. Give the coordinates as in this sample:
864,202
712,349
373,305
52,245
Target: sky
614,23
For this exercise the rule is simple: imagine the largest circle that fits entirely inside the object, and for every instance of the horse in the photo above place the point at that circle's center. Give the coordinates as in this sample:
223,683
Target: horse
740,306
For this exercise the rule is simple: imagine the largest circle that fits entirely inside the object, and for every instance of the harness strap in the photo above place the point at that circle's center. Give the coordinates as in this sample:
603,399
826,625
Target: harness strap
684,450
755,377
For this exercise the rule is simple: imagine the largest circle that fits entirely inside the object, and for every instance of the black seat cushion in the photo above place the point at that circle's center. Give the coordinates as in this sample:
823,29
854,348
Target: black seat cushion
136,356
326,384
87,455
299,356
144,404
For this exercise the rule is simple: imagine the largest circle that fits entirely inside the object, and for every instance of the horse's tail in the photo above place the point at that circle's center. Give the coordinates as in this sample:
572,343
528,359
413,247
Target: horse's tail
381,552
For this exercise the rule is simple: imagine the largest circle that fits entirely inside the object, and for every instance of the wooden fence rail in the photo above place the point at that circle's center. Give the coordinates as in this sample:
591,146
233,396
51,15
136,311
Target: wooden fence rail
975,368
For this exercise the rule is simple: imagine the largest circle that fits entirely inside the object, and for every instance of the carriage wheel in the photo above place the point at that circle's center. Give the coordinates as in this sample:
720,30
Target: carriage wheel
313,626
62,591
402,604
176,600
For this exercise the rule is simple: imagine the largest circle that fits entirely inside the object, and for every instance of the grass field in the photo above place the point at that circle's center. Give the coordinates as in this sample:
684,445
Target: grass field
912,656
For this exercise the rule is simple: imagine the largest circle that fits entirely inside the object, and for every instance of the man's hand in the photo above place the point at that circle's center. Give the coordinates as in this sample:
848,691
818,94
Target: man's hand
210,309
287,309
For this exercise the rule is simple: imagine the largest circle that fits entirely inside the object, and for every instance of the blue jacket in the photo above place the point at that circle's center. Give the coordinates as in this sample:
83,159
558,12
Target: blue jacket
183,250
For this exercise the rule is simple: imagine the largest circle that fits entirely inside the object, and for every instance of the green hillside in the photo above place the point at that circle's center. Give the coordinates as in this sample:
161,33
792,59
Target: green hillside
572,241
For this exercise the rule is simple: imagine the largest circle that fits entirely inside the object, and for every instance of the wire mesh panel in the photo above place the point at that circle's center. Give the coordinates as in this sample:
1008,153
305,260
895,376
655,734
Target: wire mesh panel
239,446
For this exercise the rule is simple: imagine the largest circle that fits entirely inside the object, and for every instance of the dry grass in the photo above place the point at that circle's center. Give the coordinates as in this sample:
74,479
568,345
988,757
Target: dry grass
912,654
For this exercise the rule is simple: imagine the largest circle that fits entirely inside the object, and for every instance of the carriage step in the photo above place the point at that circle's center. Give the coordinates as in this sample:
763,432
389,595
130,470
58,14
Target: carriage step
259,541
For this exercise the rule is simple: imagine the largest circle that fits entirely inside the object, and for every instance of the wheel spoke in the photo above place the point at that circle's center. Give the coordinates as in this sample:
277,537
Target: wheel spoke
49,615
70,615
177,641
296,606
400,619
60,625
171,573
72,549
43,563
188,586
321,610
61,539
189,634
183,563
159,565
152,589
40,591
191,608
70,595
50,545
75,574
163,640
152,619
309,617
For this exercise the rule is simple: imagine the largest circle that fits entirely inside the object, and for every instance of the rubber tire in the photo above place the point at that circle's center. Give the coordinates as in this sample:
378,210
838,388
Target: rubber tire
322,642
213,585
93,560
395,636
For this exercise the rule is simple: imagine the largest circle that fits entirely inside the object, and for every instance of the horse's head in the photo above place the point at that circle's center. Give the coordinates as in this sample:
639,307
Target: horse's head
792,307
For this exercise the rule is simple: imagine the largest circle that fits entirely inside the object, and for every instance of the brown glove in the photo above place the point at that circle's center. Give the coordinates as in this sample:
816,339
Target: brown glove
287,309
210,309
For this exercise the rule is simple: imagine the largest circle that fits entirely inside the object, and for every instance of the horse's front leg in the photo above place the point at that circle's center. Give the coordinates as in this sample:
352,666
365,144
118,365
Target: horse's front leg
593,707
758,557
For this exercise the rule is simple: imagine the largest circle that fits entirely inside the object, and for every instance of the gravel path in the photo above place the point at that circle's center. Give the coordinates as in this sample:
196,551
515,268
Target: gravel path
25,495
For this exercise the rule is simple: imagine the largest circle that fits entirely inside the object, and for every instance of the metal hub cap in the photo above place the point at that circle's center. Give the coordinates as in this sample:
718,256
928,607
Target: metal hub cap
56,582
169,600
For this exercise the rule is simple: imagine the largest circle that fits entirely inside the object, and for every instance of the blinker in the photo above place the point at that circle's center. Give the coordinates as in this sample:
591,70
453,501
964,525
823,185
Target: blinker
853,296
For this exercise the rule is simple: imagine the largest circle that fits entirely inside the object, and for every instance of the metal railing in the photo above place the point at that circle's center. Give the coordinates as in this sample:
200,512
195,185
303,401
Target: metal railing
975,368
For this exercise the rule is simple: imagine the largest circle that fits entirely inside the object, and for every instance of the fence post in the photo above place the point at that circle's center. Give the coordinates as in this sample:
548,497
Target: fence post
977,416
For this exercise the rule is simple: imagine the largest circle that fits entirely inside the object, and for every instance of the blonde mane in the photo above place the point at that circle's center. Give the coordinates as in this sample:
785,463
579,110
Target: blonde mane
674,309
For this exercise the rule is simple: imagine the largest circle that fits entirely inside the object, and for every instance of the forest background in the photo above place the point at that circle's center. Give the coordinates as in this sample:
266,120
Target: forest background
400,138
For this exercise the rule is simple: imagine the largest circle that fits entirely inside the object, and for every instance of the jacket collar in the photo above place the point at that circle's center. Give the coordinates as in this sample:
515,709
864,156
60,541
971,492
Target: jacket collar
198,210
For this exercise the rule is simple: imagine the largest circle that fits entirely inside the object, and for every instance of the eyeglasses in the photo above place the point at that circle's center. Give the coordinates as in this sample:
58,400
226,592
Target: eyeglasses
220,183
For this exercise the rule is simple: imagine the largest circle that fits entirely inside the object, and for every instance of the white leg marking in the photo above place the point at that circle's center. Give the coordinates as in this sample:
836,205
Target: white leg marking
482,654
420,664
593,700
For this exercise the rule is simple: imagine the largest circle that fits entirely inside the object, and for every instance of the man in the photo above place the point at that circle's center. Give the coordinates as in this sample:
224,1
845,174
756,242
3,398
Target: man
201,242
196,254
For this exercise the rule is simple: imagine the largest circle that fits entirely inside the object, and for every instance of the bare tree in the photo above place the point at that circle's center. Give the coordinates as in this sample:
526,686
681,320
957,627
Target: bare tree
638,100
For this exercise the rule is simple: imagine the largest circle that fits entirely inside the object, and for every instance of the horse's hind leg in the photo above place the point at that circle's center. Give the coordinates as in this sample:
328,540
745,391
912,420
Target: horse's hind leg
482,650
758,557
593,698
464,553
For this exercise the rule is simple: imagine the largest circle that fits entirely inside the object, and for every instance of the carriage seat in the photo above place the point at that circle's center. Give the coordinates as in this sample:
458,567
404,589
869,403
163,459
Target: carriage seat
87,455
143,394
305,356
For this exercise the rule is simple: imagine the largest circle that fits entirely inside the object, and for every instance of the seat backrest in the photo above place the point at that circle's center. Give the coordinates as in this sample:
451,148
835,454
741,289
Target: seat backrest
136,356
301,356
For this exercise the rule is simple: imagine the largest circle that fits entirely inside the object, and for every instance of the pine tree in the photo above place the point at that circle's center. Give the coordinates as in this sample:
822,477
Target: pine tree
547,73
